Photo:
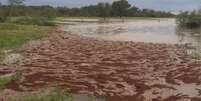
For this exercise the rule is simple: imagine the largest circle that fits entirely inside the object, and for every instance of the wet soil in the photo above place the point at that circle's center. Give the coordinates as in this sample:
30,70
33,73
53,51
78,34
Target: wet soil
115,70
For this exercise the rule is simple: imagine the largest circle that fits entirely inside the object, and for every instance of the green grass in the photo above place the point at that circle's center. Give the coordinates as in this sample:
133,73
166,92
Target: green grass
13,35
4,80
53,95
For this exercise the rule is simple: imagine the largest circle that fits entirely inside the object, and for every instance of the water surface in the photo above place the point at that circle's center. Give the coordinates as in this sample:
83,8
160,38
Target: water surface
152,31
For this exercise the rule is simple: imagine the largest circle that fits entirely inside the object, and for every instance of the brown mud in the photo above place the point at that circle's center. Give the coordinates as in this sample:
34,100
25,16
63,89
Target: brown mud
118,71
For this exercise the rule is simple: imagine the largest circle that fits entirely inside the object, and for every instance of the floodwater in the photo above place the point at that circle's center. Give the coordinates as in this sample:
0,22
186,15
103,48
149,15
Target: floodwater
114,70
152,31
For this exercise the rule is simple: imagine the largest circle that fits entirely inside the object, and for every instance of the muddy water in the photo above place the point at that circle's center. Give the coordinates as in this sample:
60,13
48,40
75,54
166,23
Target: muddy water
154,31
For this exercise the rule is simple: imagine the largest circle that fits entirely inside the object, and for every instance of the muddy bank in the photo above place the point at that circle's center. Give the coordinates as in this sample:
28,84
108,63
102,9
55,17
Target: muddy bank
118,71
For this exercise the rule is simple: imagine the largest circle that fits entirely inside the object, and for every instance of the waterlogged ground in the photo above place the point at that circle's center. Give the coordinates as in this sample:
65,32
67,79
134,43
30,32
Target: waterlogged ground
113,70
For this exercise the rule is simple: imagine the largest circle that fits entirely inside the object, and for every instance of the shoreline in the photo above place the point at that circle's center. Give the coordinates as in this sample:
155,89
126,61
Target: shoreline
115,70
95,20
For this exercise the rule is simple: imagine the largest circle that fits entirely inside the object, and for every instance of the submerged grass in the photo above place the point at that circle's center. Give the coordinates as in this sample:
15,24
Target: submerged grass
55,94
4,80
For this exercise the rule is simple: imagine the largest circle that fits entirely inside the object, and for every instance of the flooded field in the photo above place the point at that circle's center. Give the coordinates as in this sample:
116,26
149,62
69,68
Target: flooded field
104,70
153,30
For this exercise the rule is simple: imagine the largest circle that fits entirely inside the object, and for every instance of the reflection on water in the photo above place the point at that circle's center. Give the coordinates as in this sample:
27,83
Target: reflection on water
154,31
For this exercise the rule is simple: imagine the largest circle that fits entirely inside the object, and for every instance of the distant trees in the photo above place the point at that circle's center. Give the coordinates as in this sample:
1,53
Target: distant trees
133,11
120,8
116,9
2,15
15,2
34,11
104,10
12,4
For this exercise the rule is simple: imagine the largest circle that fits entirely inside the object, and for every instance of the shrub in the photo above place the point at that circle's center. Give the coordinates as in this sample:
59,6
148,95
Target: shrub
2,19
191,20
41,21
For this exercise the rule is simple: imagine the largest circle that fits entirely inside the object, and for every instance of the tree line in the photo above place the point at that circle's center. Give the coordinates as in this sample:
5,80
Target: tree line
120,8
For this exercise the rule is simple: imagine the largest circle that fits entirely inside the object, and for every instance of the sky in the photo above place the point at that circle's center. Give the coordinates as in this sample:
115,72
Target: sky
165,5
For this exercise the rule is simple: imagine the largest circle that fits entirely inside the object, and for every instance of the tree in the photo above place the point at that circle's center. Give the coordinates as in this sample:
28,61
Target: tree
133,11
120,8
104,10
13,3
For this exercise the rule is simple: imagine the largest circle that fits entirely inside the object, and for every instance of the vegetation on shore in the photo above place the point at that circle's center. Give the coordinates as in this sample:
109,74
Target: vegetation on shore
28,20
17,30
189,19
13,35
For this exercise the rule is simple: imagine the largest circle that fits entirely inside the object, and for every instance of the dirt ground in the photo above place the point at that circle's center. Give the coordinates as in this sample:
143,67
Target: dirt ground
117,71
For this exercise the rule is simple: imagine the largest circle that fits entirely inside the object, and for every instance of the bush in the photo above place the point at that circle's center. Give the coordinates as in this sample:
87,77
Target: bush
41,21
191,20
2,19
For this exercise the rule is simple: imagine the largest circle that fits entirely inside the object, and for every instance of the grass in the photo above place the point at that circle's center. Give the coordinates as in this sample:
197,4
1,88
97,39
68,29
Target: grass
55,94
13,35
4,80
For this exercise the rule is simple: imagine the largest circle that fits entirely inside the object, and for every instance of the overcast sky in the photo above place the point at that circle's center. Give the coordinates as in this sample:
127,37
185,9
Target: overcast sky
168,5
